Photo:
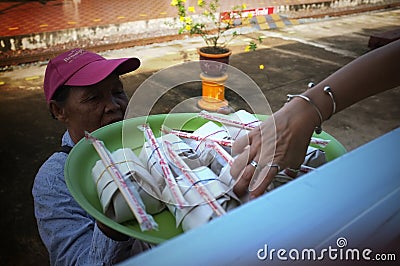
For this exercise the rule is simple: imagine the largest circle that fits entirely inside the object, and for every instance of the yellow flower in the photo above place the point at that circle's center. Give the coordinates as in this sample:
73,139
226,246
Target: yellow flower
247,49
174,2
200,3
191,9
188,27
244,6
181,19
188,20
261,67
250,15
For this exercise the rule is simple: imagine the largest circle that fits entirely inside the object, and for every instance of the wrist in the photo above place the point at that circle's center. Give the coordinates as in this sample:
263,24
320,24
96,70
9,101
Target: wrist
306,99
324,99
299,117
304,112
316,99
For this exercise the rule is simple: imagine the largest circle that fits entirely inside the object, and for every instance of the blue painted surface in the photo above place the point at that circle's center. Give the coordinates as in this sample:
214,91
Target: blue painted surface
356,196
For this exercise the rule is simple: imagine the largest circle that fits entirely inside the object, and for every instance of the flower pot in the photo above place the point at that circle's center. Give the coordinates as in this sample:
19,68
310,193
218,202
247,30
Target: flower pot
214,60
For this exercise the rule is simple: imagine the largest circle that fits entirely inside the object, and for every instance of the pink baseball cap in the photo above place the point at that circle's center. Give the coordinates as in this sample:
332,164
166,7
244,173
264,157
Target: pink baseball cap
78,67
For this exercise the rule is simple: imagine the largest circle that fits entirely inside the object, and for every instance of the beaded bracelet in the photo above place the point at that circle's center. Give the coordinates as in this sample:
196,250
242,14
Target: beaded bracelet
318,129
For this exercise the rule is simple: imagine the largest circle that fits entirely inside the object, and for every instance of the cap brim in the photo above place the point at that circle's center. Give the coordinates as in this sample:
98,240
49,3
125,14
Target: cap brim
96,71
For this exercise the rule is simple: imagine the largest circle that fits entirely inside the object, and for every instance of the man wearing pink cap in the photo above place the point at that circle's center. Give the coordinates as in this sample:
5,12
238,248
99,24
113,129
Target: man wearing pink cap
84,92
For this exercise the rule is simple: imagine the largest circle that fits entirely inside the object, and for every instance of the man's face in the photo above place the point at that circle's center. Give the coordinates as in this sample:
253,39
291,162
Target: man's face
89,108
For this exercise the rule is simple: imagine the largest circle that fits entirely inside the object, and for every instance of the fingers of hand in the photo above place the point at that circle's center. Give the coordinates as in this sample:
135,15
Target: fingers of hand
247,163
242,183
261,179
241,186
255,179
240,144
243,159
240,163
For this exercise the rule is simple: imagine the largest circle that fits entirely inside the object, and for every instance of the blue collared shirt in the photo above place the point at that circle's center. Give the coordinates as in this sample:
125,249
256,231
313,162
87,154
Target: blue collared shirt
71,235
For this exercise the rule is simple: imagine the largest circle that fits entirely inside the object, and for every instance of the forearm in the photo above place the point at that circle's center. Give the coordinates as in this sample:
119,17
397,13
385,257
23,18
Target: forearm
374,72
283,138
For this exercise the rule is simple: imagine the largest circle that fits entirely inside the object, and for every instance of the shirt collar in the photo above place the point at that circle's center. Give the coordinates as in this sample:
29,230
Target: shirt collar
67,140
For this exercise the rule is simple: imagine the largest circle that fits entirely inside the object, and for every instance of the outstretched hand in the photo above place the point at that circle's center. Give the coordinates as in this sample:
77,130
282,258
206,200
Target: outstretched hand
279,142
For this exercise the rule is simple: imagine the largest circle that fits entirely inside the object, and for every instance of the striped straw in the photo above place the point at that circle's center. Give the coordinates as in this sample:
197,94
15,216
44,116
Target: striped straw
177,196
193,180
130,194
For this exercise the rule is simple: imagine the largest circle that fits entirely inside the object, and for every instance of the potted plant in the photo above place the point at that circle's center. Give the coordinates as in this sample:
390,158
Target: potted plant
216,31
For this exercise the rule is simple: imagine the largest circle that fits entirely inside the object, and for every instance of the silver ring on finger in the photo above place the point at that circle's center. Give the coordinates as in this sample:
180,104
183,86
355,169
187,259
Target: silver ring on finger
254,164
270,165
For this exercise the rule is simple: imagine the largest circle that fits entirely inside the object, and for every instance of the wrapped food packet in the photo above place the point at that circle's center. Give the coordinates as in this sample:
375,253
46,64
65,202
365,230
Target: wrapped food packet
160,161
192,136
149,158
246,119
313,159
209,130
224,119
136,177
216,157
226,162
198,212
234,126
237,124
130,193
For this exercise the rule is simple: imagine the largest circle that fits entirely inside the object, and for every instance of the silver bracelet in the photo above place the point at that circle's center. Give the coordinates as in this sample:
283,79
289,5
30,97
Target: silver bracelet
318,129
328,90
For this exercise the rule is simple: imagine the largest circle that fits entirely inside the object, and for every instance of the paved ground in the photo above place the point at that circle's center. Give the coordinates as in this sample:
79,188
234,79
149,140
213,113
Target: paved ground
291,56
32,30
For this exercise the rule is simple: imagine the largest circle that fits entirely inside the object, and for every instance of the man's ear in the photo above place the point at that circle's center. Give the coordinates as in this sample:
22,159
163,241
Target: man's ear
57,110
